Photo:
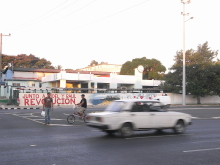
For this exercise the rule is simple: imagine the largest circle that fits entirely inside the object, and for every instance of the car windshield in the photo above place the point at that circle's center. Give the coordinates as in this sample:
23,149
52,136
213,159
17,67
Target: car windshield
115,106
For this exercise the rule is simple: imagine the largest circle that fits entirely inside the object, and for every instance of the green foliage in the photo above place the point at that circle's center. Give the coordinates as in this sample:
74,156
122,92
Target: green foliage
173,81
202,73
153,69
202,56
27,61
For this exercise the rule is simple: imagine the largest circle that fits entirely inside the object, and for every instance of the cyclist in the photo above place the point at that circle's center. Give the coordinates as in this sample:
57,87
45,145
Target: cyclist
83,105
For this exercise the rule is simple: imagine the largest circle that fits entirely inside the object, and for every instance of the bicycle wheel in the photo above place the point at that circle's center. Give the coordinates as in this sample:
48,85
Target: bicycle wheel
85,118
71,119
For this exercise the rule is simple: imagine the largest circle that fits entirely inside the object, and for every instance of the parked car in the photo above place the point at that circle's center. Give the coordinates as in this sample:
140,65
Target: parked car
126,116
164,101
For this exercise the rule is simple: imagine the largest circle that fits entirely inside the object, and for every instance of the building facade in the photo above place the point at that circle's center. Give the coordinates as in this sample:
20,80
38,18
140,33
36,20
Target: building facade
27,79
103,67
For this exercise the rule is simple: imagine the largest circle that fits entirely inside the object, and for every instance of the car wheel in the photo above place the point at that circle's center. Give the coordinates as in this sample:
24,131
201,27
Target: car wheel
159,131
110,132
179,127
164,107
126,130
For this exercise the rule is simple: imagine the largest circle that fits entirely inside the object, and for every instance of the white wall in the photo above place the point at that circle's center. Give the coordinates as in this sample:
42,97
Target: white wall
177,99
25,74
35,99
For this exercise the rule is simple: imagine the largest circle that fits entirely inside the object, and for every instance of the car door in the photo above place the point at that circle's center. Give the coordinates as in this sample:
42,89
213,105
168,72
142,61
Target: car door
159,118
140,116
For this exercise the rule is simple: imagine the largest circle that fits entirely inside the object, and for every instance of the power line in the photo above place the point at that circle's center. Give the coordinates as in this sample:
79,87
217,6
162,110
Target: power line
59,10
76,10
48,11
117,13
111,15
65,15
31,22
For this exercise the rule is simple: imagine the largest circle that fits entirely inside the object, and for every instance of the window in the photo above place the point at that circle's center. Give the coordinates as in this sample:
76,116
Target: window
140,107
115,106
33,85
15,84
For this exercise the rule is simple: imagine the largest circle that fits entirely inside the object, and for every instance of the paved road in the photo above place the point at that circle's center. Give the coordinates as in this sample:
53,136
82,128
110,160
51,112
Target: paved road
25,140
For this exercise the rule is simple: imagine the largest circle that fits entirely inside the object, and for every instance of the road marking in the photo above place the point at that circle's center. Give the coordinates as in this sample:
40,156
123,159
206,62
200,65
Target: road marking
202,108
39,119
33,145
202,118
216,117
94,130
208,149
51,119
63,125
35,120
24,114
27,118
156,136
205,141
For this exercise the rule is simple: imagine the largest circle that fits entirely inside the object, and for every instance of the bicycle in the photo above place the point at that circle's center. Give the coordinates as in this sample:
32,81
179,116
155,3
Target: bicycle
71,118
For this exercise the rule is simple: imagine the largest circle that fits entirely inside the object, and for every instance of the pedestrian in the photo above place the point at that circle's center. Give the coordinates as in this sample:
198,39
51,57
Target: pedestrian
83,105
48,107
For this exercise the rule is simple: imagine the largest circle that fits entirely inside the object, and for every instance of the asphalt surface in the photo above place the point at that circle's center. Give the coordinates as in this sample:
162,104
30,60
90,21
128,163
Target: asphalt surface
24,139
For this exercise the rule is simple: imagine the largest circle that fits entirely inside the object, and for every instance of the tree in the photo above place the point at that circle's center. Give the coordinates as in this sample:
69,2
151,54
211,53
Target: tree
153,69
27,61
200,69
203,55
93,62
58,67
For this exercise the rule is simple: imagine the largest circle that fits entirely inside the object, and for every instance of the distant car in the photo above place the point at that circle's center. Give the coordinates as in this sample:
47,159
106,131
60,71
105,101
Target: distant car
164,101
126,116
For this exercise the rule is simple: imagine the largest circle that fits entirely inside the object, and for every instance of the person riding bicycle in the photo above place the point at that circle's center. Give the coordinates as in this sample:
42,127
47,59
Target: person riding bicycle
83,105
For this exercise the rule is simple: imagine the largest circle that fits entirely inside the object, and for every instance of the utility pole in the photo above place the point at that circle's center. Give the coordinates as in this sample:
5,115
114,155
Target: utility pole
184,51
1,50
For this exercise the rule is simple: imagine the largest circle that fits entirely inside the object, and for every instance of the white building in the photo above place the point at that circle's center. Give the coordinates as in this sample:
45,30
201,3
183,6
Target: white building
103,67
53,78
92,81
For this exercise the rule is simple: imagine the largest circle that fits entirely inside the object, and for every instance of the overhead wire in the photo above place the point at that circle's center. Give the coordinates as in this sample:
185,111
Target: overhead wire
76,10
101,19
49,11
111,15
44,18
59,10
30,21
65,15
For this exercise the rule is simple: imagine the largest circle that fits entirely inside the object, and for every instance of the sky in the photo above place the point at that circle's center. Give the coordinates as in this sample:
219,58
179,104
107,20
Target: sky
72,33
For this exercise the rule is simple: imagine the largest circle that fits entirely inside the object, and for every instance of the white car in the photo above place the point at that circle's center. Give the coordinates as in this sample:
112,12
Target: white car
164,101
126,116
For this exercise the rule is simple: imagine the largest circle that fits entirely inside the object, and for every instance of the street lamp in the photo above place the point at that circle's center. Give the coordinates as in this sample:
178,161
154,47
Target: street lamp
1,35
184,51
